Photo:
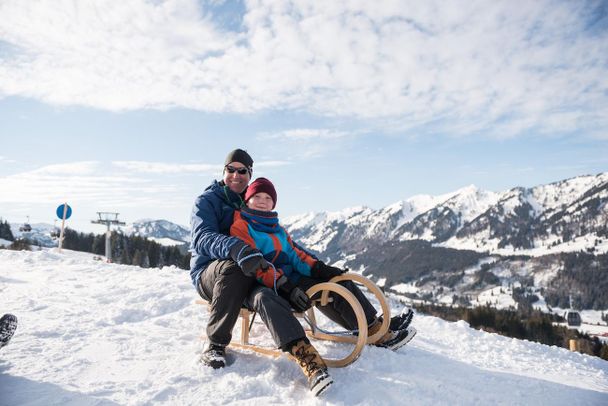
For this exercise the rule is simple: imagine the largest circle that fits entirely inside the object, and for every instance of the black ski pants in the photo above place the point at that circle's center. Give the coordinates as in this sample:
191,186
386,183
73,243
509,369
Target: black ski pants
339,310
228,289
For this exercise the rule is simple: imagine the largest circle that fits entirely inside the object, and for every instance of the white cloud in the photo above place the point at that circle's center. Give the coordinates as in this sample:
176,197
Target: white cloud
89,182
271,164
166,168
461,67
306,143
305,134
145,167
6,160
68,169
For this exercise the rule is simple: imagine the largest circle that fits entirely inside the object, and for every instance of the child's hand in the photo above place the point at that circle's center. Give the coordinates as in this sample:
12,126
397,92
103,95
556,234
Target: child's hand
323,271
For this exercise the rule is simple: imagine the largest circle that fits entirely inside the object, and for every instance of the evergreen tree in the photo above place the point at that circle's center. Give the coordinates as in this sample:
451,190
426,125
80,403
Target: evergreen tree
145,260
136,258
99,245
604,352
5,231
153,254
125,258
125,249
20,245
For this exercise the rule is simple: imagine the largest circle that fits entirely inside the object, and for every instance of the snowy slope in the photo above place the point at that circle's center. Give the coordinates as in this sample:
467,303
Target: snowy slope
92,333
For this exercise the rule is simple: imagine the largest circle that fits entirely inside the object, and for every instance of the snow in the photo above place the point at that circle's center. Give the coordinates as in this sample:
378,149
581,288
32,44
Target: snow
592,322
470,202
167,242
498,297
92,333
405,288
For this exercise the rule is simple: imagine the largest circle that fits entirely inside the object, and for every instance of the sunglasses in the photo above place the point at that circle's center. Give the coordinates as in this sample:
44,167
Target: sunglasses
240,171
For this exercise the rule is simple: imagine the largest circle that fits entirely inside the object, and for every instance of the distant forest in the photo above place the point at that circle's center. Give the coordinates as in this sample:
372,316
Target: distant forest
126,249
524,324
583,279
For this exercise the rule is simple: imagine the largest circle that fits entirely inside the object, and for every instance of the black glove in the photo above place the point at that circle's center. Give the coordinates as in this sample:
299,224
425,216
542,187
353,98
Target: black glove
297,297
248,258
323,271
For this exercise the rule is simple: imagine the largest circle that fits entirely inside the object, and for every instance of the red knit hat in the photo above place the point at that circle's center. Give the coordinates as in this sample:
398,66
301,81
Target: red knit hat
261,185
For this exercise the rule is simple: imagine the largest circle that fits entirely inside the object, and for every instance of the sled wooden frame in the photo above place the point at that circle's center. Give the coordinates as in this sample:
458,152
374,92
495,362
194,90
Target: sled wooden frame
359,340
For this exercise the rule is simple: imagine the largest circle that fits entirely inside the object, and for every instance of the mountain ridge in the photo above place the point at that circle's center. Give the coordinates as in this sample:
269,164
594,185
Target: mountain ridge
517,219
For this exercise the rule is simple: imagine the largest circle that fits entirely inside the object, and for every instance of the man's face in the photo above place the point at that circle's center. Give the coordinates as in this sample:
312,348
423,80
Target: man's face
236,181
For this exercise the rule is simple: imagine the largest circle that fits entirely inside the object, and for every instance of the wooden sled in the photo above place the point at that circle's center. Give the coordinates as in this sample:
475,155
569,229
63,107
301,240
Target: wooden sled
325,288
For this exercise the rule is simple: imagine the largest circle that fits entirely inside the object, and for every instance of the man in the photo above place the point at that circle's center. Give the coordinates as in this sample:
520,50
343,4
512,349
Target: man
223,270
213,268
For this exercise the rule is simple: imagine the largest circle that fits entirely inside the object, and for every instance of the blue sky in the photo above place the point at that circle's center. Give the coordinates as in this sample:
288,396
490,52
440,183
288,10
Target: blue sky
132,107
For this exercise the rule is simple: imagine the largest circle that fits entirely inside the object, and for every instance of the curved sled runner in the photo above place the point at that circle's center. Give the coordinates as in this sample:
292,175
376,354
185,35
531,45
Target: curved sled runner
359,340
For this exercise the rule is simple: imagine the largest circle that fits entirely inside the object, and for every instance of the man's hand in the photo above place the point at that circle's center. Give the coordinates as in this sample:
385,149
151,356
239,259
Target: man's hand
322,271
297,297
248,258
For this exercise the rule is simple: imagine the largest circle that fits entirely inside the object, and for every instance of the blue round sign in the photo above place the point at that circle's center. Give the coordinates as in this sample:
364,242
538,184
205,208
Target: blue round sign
60,211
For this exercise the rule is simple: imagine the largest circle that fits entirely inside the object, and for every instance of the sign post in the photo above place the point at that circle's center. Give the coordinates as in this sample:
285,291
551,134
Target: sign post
63,212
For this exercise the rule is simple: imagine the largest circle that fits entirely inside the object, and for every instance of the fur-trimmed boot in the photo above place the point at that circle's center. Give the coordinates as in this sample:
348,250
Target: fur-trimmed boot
312,365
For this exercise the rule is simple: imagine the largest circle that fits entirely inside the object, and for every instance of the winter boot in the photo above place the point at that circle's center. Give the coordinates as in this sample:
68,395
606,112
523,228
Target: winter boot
214,356
312,365
393,340
8,325
403,320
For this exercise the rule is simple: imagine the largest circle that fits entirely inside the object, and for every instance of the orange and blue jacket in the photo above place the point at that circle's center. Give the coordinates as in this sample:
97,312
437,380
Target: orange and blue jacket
262,230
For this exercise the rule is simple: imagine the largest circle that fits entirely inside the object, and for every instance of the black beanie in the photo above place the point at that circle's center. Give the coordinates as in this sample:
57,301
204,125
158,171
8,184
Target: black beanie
239,155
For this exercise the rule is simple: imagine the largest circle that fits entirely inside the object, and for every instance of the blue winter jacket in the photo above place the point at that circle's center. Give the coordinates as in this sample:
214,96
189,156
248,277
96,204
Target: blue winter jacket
210,223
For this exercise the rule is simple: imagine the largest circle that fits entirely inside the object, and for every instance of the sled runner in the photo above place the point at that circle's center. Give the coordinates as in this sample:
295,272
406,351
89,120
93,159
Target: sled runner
359,338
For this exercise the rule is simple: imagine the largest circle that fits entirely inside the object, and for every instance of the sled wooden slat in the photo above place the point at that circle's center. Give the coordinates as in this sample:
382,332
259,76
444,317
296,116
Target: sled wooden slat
372,287
359,341
256,348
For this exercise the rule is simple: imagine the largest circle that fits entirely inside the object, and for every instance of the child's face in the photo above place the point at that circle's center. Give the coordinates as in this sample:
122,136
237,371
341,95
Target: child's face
260,201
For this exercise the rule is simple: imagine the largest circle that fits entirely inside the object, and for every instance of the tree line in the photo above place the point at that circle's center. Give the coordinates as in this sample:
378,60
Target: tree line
583,279
129,250
526,324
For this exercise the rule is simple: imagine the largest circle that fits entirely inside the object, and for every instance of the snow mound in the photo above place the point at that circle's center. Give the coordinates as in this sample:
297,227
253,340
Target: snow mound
92,333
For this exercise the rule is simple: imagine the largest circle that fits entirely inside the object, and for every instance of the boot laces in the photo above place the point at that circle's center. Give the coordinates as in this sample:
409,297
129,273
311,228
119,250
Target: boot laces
306,359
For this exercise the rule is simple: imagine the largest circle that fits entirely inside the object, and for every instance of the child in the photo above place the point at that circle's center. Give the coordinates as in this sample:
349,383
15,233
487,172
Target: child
258,226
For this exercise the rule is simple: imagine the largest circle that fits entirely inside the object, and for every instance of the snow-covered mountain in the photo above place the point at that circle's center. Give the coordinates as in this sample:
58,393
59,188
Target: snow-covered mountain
41,234
521,221
455,246
106,334
161,231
